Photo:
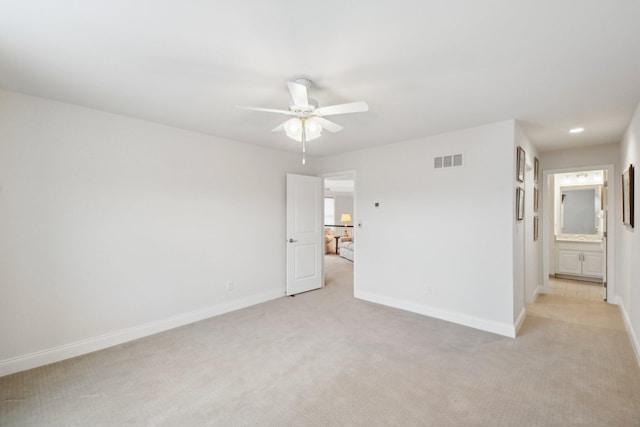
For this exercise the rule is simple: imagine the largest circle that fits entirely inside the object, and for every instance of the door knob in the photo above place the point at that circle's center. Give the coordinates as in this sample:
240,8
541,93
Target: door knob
291,240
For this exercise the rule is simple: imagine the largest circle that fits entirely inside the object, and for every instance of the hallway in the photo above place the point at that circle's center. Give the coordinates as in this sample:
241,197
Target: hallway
589,291
577,302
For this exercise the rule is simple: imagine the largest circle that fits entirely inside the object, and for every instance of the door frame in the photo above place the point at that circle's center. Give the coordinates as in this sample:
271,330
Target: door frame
547,228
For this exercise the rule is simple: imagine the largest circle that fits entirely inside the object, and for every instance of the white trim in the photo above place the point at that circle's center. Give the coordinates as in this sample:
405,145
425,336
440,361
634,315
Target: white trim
633,337
78,348
504,329
539,290
520,320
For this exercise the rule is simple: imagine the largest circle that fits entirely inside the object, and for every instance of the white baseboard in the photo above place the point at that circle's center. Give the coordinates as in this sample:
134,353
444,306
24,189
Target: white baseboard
507,330
78,348
520,320
633,336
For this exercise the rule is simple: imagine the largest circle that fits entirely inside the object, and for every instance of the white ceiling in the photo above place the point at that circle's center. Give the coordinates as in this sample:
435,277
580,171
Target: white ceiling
424,67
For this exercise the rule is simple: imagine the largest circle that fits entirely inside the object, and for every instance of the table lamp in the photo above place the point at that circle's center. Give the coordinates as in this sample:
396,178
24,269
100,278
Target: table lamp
346,217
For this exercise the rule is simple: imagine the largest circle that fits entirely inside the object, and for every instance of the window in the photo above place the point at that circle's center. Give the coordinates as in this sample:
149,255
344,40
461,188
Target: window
329,211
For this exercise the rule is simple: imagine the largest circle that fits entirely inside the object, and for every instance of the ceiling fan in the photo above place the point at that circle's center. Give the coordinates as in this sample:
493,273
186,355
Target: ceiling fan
308,119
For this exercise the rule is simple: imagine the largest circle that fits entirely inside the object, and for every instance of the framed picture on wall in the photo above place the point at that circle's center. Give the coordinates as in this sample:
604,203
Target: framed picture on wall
535,228
520,165
535,199
536,169
627,196
519,204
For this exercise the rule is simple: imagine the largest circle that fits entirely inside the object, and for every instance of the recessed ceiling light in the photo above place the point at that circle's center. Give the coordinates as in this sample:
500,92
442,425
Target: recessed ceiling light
576,130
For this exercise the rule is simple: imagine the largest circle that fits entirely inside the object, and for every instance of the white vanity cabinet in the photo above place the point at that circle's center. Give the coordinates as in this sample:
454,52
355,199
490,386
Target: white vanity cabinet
569,262
581,259
592,264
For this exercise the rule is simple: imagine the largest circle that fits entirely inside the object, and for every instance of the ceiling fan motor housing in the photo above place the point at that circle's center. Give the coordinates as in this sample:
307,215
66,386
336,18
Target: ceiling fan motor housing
304,82
303,111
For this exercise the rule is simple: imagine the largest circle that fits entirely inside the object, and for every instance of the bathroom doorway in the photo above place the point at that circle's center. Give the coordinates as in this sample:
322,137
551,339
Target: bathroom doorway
577,245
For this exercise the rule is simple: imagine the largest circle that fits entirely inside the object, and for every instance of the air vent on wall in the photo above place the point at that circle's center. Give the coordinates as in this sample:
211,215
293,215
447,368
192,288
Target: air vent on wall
448,161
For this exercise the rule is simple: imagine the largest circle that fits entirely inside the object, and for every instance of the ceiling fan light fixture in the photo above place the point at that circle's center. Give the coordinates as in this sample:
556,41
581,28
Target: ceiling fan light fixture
313,127
293,129
308,120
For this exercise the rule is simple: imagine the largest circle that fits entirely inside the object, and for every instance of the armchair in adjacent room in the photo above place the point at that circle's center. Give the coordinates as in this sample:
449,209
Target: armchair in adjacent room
329,241
347,248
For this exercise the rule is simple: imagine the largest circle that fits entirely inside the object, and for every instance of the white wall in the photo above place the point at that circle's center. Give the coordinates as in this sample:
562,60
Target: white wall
113,228
580,157
628,248
450,251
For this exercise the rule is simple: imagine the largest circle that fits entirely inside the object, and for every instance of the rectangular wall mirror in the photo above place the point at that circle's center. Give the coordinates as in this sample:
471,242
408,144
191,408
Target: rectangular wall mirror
579,210
578,205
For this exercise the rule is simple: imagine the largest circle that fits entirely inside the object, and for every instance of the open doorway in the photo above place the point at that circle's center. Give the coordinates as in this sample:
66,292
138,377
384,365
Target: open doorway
339,212
577,247
340,217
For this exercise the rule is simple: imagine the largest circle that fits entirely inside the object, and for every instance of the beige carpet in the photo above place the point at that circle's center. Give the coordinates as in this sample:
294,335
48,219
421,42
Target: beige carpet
323,358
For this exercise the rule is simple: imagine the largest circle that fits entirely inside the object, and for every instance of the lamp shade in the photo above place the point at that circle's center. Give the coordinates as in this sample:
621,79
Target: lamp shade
345,217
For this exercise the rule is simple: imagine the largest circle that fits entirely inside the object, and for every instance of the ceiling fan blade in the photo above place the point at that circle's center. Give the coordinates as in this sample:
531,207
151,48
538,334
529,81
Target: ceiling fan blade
280,127
267,110
328,125
298,94
351,107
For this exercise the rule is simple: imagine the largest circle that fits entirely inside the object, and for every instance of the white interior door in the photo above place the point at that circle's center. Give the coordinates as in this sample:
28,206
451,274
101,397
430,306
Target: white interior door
304,233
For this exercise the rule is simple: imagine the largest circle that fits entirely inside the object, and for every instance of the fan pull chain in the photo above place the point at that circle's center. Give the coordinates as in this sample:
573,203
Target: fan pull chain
304,141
